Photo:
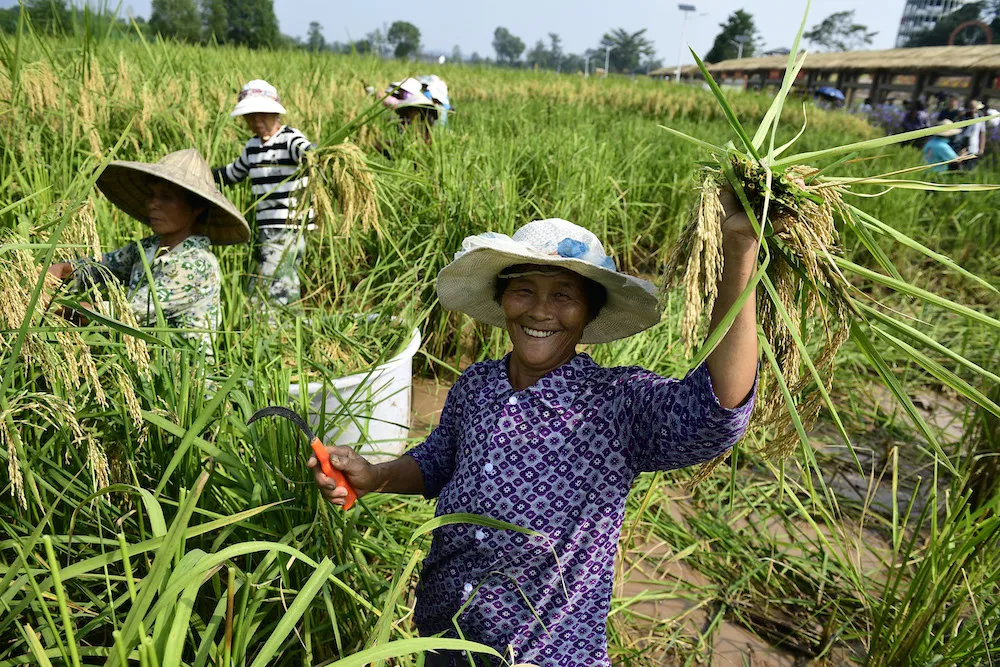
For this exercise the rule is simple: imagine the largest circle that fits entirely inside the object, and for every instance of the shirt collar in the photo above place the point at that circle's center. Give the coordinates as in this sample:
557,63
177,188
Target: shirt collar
273,136
559,388
194,241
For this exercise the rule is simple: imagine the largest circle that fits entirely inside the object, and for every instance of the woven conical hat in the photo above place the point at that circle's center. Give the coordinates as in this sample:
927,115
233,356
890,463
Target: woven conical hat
127,185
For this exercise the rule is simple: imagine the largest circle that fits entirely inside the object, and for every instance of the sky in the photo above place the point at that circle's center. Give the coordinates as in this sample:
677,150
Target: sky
470,23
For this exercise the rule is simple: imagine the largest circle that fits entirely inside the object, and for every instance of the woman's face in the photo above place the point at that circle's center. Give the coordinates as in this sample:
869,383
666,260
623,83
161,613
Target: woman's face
169,211
546,315
264,125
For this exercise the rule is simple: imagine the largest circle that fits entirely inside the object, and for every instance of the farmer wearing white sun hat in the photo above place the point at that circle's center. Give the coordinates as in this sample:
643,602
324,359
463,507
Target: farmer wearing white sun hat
547,439
272,160
422,103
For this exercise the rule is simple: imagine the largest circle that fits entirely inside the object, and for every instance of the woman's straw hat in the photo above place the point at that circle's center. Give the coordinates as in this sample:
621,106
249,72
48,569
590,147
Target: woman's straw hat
468,284
258,96
127,185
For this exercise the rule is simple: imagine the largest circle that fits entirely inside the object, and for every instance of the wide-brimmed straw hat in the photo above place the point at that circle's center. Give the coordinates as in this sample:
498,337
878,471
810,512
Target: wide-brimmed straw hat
468,284
128,185
948,133
257,96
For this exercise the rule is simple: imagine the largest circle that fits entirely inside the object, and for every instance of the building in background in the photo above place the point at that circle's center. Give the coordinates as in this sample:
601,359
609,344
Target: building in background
921,15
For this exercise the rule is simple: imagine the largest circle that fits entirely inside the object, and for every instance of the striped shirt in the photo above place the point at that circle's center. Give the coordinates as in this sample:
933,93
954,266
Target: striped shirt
273,168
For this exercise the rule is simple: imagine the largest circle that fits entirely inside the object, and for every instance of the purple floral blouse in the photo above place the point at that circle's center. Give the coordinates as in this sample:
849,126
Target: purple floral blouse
559,458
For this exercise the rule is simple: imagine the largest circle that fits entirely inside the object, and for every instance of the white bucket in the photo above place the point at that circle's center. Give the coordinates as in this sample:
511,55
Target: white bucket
371,408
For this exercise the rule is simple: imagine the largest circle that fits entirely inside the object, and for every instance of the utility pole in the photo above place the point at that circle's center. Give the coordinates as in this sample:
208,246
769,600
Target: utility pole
738,42
685,10
607,61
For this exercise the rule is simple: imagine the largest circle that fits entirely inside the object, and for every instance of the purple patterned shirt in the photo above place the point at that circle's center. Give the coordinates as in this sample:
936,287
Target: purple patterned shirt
558,457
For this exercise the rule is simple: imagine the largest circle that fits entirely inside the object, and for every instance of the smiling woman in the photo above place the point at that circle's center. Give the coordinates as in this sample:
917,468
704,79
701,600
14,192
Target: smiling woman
547,439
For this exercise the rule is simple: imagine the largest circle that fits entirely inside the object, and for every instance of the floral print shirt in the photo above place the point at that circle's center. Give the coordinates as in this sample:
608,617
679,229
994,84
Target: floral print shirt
559,458
186,279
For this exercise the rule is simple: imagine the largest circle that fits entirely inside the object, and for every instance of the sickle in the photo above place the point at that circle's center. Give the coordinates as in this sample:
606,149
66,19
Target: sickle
319,450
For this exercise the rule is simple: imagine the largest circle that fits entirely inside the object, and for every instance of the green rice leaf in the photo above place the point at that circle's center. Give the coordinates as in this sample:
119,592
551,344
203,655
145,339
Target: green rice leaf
916,334
870,244
474,519
37,650
795,62
872,144
940,372
200,422
159,569
888,230
892,383
905,288
727,109
403,647
697,142
905,184
271,648
791,142
112,323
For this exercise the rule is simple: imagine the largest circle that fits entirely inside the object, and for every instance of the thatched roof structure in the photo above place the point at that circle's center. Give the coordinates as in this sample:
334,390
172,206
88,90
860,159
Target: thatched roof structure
965,58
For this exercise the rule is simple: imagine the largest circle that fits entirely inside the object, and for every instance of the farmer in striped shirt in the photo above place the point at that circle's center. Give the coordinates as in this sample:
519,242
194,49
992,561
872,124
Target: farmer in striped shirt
272,160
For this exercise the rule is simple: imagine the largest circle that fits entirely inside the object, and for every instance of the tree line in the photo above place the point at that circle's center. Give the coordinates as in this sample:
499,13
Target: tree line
626,52
249,23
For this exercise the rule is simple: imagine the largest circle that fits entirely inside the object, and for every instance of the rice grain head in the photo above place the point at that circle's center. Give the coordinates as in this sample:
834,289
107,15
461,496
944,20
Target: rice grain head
342,170
810,290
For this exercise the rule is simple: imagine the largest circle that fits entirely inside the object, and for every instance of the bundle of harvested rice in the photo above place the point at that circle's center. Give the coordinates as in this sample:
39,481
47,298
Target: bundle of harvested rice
339,175
810,303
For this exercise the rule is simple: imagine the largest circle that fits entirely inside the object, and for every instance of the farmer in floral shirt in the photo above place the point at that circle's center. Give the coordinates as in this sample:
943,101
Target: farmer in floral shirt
177,198
547,439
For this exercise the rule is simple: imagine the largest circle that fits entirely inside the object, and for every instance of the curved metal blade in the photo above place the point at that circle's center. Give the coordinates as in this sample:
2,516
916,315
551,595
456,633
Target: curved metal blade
279,411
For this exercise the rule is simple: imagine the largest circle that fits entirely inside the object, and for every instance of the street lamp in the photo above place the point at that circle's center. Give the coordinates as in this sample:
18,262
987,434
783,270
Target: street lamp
738,42
685,9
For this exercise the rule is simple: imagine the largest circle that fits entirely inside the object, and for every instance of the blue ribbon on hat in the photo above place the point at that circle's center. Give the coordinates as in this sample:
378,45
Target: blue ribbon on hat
576,249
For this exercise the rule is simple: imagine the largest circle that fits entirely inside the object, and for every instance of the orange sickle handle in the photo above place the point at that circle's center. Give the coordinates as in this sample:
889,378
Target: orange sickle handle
323,457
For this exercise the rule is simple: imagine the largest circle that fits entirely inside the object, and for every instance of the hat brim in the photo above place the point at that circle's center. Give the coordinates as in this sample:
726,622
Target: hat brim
128,186
257,105
420,104
468,285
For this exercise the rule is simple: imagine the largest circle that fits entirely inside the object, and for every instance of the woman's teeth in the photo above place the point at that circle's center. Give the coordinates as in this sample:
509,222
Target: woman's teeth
535,333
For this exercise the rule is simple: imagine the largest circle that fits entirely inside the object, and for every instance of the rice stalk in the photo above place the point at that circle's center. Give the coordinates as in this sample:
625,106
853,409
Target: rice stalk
339,175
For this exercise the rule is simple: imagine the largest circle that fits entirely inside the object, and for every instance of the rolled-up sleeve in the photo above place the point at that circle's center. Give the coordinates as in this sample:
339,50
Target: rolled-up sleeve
436,455
680,423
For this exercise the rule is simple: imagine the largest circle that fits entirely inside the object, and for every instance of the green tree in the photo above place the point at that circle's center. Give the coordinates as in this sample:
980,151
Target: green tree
405,37
508,47
177,19
48,16
941,32
316,42
627,49
739,24
214,21
538,56
555,51
252,23
839,32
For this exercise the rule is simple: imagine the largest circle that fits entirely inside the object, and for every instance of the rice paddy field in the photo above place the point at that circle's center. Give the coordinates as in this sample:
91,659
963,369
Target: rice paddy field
142,523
